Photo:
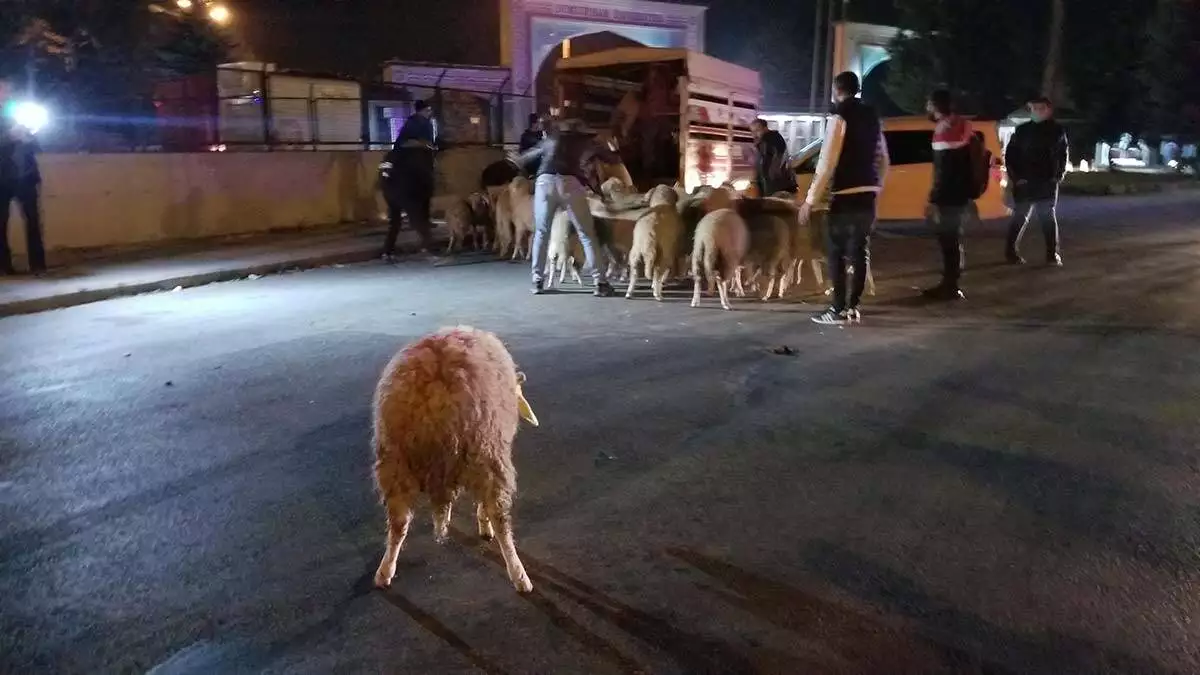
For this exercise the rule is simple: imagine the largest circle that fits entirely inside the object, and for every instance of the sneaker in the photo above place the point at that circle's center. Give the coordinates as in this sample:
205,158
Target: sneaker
603,290
831,317
538,288
853,315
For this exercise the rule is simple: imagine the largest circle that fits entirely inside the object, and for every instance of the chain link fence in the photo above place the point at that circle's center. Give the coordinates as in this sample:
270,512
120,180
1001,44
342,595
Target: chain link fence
260,110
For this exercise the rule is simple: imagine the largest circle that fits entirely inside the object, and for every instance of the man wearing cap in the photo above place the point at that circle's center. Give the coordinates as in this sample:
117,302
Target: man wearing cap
408,185
559,185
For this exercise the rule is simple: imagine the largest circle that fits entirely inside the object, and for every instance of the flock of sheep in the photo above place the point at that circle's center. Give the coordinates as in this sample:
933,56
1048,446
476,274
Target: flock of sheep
731,242
447,407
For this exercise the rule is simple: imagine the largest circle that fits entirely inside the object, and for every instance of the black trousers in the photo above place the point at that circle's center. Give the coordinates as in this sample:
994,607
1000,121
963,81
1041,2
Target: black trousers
27,197
947,223
413,199
851,223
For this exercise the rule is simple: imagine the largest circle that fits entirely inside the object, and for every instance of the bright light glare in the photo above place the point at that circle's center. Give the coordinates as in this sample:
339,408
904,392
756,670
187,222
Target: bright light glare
183,4
30,115
741,184
219,14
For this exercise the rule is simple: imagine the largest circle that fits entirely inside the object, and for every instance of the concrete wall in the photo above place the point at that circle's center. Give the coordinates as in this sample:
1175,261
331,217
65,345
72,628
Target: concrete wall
127,200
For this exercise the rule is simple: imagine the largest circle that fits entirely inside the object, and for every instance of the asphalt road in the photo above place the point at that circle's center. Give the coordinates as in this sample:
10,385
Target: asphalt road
1009,485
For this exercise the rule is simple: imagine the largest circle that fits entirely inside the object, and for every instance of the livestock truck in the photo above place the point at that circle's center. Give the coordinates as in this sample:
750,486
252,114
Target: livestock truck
674,115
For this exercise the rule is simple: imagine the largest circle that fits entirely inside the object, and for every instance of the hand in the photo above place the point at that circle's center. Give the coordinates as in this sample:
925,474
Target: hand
805,213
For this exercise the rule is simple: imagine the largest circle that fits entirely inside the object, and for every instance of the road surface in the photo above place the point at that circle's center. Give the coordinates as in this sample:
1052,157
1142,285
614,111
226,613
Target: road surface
1008,485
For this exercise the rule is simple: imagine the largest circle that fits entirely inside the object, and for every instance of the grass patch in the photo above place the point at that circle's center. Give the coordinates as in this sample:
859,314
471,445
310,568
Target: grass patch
1125,183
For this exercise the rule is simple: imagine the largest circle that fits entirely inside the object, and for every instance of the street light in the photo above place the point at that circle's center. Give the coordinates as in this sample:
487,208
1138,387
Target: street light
219,14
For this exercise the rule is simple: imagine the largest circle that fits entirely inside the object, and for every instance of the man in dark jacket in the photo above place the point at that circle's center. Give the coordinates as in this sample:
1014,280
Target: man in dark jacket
20,180
851,169
408,179
773,173
1036,159
532,135
950,198
560,185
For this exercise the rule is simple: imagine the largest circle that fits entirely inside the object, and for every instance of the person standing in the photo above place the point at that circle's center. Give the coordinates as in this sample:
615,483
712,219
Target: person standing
20,181
772,173
532,135
1036,159
851,168
559,185
409,183
952,194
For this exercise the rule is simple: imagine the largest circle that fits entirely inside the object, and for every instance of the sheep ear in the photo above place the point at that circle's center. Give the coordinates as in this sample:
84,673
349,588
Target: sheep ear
524,408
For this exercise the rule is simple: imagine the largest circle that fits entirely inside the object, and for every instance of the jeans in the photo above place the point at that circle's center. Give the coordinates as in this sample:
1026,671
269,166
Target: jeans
554,192
26,196
851,222
1046,211
947,223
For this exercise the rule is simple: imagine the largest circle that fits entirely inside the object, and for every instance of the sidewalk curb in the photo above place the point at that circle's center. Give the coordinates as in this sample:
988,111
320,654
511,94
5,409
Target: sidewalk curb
88,296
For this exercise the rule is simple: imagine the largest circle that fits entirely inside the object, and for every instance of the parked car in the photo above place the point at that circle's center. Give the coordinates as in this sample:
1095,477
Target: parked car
910,147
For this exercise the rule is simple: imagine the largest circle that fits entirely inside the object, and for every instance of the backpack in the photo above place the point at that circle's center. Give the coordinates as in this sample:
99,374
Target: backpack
981,165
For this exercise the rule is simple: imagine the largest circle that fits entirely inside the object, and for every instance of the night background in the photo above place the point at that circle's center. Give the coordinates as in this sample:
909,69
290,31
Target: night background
300,34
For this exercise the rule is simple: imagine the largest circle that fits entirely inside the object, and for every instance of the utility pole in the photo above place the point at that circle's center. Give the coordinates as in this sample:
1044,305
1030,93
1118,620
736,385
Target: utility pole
830,52
816,83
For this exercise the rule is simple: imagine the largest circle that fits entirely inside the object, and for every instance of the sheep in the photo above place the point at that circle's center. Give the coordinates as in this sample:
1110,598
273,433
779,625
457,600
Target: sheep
502,217
719,246
656,238
446,410
808,246
770,222
562,250
468,216
520,192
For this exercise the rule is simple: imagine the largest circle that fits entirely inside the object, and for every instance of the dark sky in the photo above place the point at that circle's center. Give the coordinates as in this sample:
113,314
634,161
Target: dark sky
355,36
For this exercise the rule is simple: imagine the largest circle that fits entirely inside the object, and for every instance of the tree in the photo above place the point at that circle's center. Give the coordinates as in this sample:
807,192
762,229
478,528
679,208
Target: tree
1106,40
981,50
1172,58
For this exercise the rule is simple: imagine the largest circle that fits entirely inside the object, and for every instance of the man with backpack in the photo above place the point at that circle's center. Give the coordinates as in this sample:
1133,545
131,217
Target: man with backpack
960,175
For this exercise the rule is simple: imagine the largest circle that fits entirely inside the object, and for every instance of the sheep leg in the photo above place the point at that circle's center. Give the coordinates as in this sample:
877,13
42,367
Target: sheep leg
695,290
632,280
657,282
738,289
486,532
399,510
816,268
499,513
450,244
723,288
441,520
562,270
870,281
771,286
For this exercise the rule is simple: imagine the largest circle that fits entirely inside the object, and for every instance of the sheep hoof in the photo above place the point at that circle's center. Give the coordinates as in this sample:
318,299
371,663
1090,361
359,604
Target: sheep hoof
629,296
382,581
523,585
695,303
486,536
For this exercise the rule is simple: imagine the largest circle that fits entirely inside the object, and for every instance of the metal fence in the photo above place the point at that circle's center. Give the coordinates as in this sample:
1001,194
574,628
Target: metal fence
252,110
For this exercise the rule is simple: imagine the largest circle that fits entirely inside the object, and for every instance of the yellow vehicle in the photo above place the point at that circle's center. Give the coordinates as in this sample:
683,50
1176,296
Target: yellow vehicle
910,148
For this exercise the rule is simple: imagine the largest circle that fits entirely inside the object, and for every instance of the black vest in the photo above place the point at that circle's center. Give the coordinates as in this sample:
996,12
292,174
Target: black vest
856,166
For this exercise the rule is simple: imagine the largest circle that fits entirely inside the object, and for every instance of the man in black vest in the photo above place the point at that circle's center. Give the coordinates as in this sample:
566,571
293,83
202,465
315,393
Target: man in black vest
850,171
